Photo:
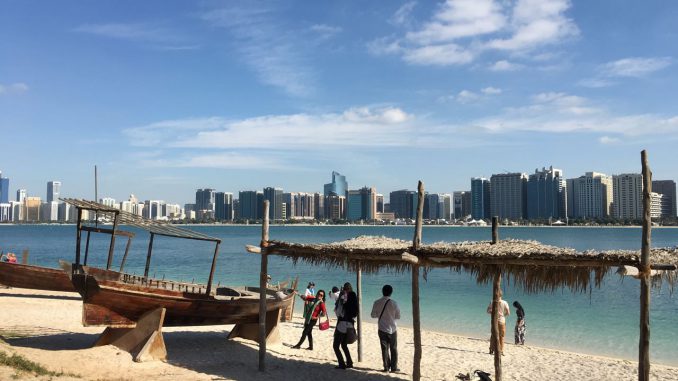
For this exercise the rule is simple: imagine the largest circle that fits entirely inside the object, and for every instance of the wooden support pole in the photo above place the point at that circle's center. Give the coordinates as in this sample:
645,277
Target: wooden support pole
148,255
359,282
644,342
496,305
416,313
214,266
111,247
78,235
124,257
262,288
84,262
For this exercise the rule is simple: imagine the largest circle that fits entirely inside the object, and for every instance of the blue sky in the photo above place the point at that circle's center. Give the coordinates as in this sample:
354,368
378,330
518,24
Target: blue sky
169,96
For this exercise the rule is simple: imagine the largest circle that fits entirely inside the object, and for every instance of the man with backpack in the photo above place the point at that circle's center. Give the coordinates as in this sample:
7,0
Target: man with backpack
387,311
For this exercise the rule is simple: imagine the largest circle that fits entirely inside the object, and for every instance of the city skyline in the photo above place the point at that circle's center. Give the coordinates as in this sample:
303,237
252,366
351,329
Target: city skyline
245,95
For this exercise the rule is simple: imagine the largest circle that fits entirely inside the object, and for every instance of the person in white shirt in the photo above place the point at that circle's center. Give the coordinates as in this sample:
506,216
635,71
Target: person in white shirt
334,295
387,311
501,316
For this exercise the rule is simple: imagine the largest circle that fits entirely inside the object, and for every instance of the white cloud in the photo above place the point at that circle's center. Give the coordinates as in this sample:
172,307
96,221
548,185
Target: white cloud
634,66
504,65
595,83
464,29
402,15
140,32
270,49
13,88
490,90
608,140
466,96
325,31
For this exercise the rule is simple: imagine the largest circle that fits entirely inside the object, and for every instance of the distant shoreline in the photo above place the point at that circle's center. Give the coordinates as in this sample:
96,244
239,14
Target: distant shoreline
379,226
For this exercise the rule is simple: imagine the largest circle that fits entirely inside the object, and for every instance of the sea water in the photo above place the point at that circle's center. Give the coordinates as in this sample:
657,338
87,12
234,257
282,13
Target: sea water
602,321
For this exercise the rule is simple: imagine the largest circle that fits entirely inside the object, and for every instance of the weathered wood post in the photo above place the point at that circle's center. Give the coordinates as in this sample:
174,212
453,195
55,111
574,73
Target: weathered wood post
148,256
262,288
111,247
359,289
78,235
644,342
496,305
416,314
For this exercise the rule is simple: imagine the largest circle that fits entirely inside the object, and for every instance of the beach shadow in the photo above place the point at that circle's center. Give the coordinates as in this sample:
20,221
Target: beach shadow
53,342
212,353
42,296
459,349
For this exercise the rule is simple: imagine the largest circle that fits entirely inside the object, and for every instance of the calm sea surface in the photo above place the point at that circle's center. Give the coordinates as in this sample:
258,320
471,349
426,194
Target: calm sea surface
603,321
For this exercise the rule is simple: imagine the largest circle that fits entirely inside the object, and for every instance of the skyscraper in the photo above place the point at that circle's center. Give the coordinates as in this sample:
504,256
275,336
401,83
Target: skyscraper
546,194
338,186
275,198
627,190
250,205
204,200
362,204
667,188
480,198
223,206
508,194
404,203
53,190
21,195
4,189
590,196
462,204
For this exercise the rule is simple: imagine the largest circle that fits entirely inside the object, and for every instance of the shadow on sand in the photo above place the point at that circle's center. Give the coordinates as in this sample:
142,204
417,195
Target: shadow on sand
40,296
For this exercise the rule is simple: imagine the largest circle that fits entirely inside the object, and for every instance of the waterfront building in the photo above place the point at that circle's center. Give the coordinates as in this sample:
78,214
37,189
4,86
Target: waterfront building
275,199
250,205
546,194
65,212
462,204
173,212
53,190
5,212
204,200
362,204
380,203
660,205
304,206
335,207
445,206
319,206
480,198
32,209
338,186
155,209
21,195
18,211
430,206
223,206
667,188
4,189
508,193
49,211
108,201
288,201
590,196
627,196
404,203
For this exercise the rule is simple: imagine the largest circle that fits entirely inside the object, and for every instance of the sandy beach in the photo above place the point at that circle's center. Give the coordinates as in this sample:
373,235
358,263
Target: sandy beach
45,327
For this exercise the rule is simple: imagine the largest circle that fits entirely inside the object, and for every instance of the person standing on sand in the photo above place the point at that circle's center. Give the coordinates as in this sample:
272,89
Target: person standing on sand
519,333
308,298
346,310
318,309
387,311
502,314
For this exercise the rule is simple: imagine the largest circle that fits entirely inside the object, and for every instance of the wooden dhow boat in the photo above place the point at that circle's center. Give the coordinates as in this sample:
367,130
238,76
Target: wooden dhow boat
134,308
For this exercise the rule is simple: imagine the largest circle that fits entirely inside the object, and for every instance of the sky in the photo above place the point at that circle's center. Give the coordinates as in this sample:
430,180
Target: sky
169,96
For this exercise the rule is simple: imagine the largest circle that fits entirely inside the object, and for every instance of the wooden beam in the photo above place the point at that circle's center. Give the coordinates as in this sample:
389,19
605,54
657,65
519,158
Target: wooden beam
495,229
208,291
359,282
253,249
644,341
84,262
124,257
107,231
111,247
148,255
496,305
263,273
583,262
78,235
416,313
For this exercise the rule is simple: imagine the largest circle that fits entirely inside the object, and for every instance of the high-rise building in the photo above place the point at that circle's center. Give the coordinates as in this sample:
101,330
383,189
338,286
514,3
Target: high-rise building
546,194
319,206
362,204
275,199
335,207
627,196
404,204
338,186
667,188
251,205
445,206
659,205
204,200
304,206
32,209
108,201
380,203
49,211
508,193
480,198
4,189
53,190
462,204
223,206
5,212
590,196
21,195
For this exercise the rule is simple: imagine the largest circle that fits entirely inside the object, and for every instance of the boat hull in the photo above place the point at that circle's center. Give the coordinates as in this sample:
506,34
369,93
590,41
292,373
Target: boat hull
34,277
116,304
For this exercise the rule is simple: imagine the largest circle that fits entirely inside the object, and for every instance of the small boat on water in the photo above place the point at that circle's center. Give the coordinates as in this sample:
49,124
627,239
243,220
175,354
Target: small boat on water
123,301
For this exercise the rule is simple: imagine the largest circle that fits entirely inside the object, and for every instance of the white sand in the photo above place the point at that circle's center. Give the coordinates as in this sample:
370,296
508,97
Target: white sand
55,338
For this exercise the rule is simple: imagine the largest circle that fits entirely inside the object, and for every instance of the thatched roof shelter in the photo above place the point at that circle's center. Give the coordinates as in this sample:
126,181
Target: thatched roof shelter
531,265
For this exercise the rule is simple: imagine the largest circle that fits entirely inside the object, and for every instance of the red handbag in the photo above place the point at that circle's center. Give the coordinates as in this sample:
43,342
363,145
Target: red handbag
324,325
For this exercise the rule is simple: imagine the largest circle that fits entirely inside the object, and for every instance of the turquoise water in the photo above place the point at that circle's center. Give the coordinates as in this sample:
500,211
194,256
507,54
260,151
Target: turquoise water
603,321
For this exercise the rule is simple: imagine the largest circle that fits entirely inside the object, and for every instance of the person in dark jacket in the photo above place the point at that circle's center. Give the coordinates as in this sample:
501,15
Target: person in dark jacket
519,332
346,310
